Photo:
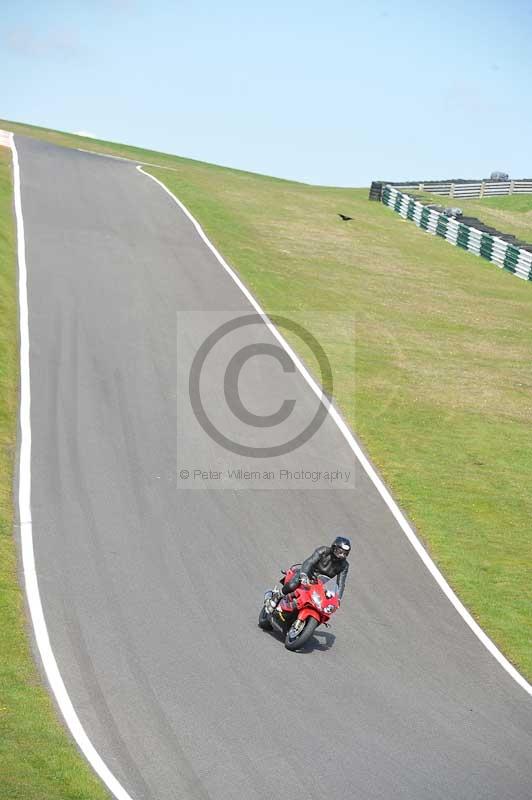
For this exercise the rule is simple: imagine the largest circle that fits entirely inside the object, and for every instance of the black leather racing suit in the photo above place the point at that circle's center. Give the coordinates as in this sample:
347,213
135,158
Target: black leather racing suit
321,562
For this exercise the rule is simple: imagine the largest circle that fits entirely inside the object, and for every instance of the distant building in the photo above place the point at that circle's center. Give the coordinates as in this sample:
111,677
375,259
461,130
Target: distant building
499,176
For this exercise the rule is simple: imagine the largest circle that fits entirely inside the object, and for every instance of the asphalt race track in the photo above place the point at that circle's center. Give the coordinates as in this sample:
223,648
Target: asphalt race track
151,585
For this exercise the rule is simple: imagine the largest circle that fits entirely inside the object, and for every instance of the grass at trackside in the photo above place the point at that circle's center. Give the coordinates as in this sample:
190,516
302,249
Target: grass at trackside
510,213
443,392
38,761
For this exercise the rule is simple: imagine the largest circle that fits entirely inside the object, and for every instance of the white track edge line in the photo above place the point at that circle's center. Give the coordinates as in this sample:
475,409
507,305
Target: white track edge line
364,461
123,158
109,155
26,532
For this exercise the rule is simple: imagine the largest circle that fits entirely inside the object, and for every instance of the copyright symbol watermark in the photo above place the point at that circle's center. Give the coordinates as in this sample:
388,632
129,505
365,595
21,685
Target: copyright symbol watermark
248,346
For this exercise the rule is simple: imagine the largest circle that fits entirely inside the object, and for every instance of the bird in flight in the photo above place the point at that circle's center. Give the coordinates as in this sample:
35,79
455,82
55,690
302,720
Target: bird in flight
344,218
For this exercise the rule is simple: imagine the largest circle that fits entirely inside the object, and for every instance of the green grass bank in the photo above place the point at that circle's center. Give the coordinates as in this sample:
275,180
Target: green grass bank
437,381
38,760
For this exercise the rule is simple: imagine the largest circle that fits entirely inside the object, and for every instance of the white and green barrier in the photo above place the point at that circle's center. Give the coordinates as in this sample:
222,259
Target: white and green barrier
506,255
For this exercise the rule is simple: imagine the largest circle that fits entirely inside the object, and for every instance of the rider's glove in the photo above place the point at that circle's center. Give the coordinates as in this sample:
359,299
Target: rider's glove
304,578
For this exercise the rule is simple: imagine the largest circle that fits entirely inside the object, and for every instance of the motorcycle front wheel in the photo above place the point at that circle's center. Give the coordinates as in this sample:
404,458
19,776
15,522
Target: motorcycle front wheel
294,641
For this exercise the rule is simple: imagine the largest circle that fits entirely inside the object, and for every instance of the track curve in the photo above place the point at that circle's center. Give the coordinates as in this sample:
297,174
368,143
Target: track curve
179,691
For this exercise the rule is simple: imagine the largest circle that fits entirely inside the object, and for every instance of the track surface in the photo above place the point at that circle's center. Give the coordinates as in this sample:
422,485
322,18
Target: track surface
151,593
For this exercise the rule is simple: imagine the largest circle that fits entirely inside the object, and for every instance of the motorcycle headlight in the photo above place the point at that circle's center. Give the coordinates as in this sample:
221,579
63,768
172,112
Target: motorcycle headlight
316,599
329,609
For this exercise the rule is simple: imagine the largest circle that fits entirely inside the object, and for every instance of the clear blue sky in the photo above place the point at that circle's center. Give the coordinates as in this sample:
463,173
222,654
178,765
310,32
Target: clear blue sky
336,94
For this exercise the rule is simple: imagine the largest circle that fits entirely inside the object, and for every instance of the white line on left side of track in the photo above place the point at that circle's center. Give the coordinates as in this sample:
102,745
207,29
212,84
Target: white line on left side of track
26,529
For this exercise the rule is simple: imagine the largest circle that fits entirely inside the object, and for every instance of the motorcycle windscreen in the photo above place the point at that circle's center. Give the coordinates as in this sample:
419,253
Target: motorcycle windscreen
329,584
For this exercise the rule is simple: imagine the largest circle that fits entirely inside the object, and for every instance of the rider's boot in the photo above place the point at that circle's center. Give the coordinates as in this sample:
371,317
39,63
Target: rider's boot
274,599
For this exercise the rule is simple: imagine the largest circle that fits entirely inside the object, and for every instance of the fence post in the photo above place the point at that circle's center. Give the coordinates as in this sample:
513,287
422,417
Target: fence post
482,187
451,190
511,189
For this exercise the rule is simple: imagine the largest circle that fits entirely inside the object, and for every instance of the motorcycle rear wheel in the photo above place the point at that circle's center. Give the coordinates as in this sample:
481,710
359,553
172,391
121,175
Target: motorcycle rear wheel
264,620
295,643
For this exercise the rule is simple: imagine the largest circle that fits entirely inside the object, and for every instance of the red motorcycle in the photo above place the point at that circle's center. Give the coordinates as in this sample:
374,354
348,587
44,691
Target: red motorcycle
298,614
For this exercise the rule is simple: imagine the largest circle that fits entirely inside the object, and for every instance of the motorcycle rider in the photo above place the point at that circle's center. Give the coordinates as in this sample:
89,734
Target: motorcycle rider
330,561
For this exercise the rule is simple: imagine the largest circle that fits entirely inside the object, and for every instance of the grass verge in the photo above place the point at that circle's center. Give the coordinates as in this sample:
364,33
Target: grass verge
441,393
37,758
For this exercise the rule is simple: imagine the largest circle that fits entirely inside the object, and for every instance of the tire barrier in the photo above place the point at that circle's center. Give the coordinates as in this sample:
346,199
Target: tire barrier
375,192
469,233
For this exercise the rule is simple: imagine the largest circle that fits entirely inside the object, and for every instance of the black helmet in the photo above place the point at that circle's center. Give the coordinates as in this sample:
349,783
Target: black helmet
341,547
